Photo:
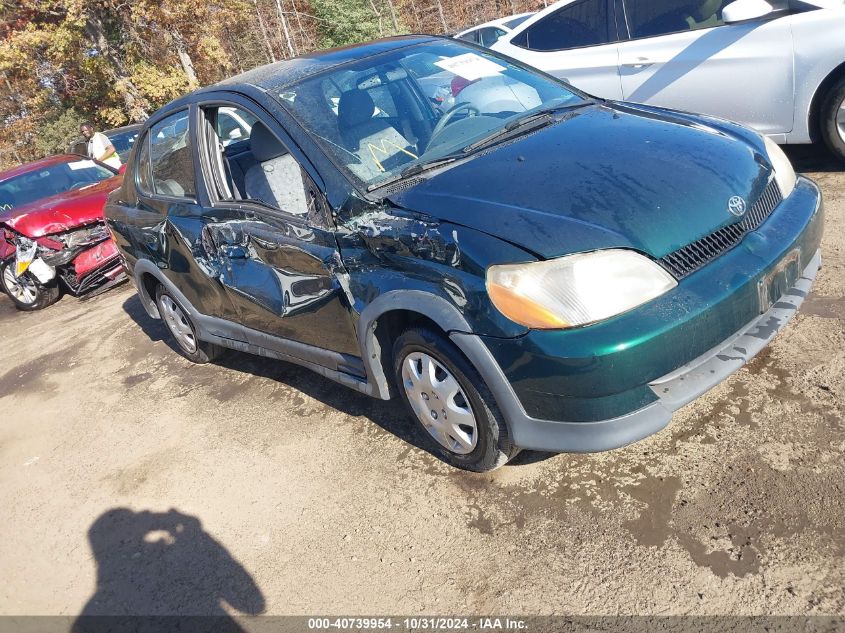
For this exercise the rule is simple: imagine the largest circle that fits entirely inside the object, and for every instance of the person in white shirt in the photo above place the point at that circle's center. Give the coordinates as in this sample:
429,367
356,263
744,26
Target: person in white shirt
99,146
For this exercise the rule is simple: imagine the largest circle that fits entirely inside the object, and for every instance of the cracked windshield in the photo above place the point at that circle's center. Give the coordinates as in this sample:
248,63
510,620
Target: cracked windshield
392,116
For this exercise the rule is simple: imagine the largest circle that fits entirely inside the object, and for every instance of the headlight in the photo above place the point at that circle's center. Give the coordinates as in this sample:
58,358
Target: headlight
576,289
784,172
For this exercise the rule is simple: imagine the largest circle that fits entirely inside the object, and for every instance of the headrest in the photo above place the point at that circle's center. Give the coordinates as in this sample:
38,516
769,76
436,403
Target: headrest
263,143
354,108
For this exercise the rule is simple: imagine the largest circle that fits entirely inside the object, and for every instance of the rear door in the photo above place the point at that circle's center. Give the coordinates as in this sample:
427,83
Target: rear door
686,58
272,241
163,220
576,43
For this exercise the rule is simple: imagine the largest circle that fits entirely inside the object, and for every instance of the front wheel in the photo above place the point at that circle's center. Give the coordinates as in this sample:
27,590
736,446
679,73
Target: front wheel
451,402
833,119
182,329
27,293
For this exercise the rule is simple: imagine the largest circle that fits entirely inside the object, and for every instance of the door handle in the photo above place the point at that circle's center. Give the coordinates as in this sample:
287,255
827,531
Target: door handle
642,62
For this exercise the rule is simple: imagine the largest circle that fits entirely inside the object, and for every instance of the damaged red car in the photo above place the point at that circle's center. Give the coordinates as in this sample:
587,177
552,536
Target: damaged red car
53,238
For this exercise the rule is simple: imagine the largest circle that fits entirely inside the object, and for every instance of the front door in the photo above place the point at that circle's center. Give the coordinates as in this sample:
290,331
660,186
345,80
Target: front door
689,60
277,254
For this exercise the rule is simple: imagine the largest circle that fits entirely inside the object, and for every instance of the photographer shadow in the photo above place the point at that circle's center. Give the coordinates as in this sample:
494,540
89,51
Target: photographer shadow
154,566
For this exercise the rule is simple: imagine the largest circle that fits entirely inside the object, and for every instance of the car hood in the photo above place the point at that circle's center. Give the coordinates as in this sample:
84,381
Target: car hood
63,211
607,175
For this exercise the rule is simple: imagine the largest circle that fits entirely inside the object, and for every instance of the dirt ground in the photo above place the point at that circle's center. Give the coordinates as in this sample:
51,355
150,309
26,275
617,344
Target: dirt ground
132,481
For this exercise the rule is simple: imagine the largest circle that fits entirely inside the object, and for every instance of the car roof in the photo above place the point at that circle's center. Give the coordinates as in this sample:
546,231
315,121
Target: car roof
37,164
271,76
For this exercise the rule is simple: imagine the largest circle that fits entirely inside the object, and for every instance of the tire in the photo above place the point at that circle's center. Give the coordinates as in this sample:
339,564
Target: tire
832,119
421,352
182,329
26,292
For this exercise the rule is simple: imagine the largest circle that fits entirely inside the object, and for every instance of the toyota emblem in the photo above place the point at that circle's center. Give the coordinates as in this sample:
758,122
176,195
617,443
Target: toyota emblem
736,206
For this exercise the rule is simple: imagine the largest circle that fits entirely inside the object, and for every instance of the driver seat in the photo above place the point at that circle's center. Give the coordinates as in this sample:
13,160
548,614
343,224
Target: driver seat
373,140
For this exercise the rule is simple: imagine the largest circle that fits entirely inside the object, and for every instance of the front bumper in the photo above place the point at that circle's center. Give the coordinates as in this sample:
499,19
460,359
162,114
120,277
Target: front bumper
609,385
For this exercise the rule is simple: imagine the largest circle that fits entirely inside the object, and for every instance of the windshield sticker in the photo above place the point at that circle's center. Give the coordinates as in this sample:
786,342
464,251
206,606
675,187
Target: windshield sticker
470,66
81,164
384,149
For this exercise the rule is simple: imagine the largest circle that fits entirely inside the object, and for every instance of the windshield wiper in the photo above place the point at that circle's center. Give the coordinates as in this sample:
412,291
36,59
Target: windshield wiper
524,123
415,170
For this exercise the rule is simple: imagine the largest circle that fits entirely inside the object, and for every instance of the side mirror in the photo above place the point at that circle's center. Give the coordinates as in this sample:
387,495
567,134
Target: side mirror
745,10
122,169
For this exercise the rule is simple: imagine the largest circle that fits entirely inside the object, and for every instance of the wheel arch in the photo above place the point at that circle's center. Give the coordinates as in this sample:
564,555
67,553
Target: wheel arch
390,314
814,122
147,277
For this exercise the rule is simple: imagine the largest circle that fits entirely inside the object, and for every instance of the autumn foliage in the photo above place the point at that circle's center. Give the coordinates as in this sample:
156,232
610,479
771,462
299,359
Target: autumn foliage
117,61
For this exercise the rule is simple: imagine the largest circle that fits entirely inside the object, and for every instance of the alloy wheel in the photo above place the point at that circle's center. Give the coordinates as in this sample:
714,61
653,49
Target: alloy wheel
178,324
439,403
22,288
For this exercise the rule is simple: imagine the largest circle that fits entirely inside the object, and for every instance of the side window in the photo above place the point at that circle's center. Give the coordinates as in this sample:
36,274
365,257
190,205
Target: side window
648,18
472,36
171,163
490,35
384,102
580,24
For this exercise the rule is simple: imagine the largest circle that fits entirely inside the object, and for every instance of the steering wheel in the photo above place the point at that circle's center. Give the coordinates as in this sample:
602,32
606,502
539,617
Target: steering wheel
79,185
450,114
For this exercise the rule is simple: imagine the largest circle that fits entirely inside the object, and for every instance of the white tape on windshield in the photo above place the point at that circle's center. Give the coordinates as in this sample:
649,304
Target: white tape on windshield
81,164
470,66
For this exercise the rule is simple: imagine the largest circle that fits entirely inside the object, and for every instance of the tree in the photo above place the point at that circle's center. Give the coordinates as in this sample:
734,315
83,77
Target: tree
116,62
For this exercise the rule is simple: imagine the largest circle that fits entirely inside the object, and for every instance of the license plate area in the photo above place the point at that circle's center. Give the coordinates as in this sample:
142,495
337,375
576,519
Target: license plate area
780,279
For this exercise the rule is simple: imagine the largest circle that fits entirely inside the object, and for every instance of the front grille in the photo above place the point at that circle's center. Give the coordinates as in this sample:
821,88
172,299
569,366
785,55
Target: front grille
686,260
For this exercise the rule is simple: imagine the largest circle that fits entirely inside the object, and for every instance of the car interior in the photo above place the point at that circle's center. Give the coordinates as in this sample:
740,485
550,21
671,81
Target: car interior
374,140
258,167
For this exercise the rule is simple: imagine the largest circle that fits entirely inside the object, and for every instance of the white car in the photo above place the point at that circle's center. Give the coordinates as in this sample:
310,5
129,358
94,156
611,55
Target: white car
776,66
488,33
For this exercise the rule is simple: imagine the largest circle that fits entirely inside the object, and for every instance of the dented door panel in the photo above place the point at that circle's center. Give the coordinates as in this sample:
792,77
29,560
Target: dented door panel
182,250
282,277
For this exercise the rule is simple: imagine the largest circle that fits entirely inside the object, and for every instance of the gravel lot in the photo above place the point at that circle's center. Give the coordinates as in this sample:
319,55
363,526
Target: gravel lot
132,481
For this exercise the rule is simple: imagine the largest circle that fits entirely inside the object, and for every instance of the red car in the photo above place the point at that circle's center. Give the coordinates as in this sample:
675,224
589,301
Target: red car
52,233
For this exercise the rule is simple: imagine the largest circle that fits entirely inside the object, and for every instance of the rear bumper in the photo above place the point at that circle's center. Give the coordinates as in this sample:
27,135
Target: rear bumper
607,386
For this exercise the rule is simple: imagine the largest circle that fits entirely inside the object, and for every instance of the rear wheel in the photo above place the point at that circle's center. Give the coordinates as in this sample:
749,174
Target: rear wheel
27,293
450,401
833,119
182,329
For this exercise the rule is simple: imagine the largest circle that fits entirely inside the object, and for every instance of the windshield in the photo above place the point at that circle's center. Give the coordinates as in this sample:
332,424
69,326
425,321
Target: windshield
50,181
123,141
379,116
